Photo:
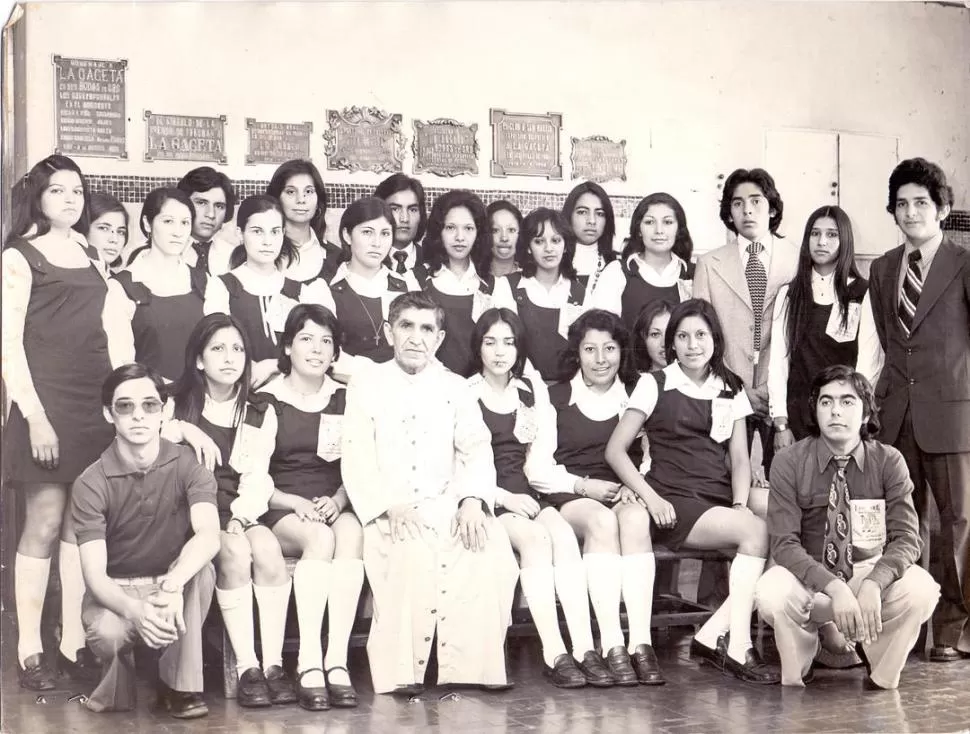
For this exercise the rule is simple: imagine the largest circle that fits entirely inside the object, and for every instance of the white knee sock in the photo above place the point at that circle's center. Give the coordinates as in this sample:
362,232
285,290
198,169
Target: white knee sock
574,597
745,572
603,577
236,606
72,594
539,587
272,602
30,588
638,575
347,577
311,583
715,626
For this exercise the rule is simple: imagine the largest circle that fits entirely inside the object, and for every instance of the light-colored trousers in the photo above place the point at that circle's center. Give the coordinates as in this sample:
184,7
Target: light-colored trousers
796,613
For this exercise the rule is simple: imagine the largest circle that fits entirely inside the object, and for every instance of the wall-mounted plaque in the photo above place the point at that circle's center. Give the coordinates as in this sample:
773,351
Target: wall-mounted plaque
277,142
526,145
597,158
185,138
89,107
445,147
364,139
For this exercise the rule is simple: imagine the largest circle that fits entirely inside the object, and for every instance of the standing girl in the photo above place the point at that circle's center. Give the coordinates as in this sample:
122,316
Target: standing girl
694,411
505,221
55,357
590,215
108,231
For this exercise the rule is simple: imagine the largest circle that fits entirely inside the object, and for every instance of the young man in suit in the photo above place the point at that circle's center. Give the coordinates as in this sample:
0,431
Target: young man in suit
405,196
915,338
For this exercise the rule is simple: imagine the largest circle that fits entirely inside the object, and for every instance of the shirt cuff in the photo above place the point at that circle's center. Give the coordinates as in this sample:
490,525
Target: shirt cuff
818,577
882,574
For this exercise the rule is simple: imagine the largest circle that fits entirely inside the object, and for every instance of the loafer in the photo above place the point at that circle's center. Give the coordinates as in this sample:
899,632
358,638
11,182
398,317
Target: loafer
280,686
341,696
312,698
646,666
704,654
252,692
595,671
618,662
809,676
753,669
85,669
946,654
414,689
843,660
181,704
36,675
564,672
868,684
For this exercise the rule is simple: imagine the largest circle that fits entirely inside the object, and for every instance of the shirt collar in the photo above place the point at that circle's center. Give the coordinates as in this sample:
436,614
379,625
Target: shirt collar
280,389
633,262
477,384
114,465
927,251
766,242
467,277
675,378
343,273
561,282
823,454
580,392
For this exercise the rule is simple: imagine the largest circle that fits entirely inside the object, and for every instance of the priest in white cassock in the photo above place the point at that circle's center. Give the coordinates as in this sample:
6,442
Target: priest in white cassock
417,465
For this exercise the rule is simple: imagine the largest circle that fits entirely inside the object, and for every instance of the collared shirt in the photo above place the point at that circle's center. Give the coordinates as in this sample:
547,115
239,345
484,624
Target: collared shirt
374,287
668,276
308,265
142,516
767,243
409,262
261,284
927,253
586,259
645,394
450,284
798,507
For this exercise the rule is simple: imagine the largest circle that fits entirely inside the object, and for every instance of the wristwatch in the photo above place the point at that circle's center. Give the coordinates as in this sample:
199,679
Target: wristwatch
169,587
781,424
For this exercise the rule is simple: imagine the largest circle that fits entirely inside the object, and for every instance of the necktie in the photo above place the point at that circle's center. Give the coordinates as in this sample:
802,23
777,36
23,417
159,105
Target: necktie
754,273
401,258
202,251
837,550
912,287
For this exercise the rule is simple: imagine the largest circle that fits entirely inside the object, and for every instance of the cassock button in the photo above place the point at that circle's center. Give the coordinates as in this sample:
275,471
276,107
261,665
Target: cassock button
427,639
912,382
434,611
421,662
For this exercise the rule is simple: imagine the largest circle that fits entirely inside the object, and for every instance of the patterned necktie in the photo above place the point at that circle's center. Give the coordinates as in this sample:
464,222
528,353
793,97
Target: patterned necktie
401,258
837,550
202,252
754,273
912,287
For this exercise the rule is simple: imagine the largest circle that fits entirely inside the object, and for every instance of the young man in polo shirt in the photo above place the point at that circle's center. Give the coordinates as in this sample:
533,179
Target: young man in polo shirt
148,529
845,539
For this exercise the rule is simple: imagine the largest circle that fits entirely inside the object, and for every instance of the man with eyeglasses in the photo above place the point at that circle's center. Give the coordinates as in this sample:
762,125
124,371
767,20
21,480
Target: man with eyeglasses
147,527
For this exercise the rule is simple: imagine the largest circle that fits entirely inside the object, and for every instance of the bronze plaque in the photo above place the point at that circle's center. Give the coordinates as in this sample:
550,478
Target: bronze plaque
89,107
185,138
597,158
526,145
364,139
277,142
445,147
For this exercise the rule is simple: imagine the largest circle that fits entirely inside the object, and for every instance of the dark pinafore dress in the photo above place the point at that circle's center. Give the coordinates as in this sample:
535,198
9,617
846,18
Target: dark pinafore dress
581,442
332,256
161,325
638,293
67,355
306,461
455,351
361,320
541,324
815,351
509,452
248,309
688,468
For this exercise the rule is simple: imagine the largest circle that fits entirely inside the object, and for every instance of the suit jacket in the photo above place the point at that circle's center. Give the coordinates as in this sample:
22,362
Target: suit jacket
719,278
928,372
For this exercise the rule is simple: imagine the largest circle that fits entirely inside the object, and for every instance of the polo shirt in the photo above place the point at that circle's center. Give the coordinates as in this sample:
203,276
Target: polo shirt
142,516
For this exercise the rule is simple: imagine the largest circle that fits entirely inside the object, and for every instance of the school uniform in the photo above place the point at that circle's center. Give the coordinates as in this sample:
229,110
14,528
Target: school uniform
211,257
643,285
464,298
824,343
598,276
314,260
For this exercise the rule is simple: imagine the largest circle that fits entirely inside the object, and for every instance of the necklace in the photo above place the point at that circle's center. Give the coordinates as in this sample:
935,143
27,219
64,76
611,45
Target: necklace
376,327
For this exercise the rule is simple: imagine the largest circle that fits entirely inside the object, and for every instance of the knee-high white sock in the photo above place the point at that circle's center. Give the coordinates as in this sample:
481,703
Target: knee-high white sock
311,583
639,571
603,577
346,579
574,598
236,606
272,601
716,625
72,594
30,587
745,572
539,587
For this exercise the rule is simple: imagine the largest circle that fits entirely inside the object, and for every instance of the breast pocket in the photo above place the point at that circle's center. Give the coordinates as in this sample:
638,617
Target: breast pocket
244,452
329,437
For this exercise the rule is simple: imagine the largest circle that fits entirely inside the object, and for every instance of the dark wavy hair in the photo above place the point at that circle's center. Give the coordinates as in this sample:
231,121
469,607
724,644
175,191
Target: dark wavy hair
258,204
701,308
534,225
27,193
127,372
641,329
843,373
605,243
203,178
485,322
599,320
102,203
435,255
296,167
296,320
923,173
153,206
763,180
800,296
683,243
402,182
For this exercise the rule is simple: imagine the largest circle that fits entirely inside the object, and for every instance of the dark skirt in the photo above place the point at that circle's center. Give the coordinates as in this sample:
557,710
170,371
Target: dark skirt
689,511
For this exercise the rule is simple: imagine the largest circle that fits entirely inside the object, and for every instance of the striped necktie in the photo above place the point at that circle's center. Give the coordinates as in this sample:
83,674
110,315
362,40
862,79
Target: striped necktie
401,258
754,273
837,549
912,287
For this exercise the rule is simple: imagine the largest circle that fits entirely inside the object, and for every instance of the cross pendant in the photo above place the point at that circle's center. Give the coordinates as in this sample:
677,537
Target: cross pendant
377,340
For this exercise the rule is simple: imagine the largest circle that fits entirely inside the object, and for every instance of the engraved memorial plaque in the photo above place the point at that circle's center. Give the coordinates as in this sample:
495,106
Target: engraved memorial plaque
445,147
185,138
525,144
277,142
597,158
364,139
89,107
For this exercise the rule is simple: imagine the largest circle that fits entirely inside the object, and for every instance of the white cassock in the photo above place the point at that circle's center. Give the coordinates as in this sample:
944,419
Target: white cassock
421,439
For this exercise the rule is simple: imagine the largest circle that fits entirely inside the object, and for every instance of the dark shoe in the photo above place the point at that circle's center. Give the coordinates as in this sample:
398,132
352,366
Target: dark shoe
946,654
594,670
414,689
280,686
341,696
180,704
752,670
847,658
564,672
314,698
647,668
704,654
618,662
35,674
809,676
868,684
252,692
86,669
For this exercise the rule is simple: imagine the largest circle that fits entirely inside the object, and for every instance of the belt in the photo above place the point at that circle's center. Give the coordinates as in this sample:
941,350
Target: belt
139,581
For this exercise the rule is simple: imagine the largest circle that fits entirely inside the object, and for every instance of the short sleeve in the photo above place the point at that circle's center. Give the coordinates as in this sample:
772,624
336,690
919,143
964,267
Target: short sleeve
88,510
199,483
645,395
741,406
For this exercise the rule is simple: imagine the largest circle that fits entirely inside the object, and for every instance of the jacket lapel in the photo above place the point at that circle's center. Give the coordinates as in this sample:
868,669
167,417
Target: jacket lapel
780,271
728,267
946,267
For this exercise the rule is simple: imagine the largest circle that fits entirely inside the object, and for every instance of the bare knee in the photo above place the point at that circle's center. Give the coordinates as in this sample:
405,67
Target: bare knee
234,561
602,532
349,537
535,546
318,542
634,522
269,566
565,547
42,528
753,539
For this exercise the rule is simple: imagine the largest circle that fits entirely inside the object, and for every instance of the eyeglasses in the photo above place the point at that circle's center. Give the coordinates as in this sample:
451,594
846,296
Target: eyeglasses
127,407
